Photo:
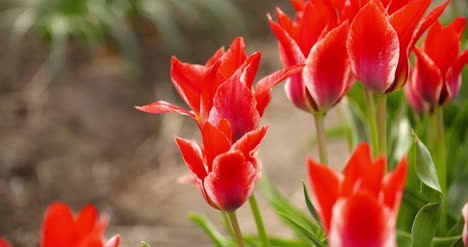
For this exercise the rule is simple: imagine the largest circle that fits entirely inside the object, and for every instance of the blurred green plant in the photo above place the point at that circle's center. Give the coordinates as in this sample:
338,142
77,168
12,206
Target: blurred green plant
113,21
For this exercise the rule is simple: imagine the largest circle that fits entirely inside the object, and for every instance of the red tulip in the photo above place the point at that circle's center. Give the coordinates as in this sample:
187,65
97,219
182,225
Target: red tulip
222,88
415,101
360,207
61,228
4,243
382,36
225,172
317,39
439,65
465,229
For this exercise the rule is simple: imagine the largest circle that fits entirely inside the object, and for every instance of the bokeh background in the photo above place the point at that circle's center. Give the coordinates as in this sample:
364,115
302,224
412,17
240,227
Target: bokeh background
71,72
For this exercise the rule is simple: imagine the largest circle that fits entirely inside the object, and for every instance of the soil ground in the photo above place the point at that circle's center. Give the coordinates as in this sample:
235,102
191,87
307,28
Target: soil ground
79,140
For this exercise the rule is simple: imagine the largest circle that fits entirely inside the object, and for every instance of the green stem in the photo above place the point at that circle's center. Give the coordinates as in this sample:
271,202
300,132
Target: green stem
441,166
259,221
236,228
322,145
371,120
227,224
382,122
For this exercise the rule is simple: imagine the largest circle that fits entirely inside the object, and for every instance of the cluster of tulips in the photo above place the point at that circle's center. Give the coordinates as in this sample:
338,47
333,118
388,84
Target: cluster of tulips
325,49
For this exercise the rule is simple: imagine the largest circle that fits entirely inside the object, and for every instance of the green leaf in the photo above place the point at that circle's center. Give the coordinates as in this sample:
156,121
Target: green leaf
403,239
448,241
303,229
274,241
424,165
284,207
457,195
310,206
425,225
214,235
144,244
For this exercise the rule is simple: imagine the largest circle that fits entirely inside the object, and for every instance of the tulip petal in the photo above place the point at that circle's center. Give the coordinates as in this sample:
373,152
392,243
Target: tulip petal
298,5
58,226
250,142
265,85
453,79
443,44
215,142
233,58
360,220
405,21
193,157
325,184
428,79
218,54
327,68
413,98
249,69
426,23
4,243
236,103
290,53
363,174
288,25
465,229
187,79
374,49
113,242
393,186
164,107
232,181
318,16
88,224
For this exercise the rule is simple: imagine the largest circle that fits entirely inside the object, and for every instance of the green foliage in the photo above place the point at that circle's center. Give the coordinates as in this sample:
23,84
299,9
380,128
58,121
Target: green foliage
215,236
308,230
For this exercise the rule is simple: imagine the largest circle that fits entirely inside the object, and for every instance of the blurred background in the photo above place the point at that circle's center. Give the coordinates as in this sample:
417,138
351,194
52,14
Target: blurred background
71,72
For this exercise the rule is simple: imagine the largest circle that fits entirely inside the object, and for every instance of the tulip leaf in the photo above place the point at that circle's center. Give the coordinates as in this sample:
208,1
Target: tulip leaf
424,165
448,241
403,239
457,195
214,235
144,244
309,204
425,225
274,242
458,243
303,229
284,207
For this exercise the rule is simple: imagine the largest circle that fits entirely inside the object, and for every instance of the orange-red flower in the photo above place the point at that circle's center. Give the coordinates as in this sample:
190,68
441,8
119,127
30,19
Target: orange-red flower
381,38
317,39
359,207
225,172
437,76
61,228
223,88
414,100
4,243
465,229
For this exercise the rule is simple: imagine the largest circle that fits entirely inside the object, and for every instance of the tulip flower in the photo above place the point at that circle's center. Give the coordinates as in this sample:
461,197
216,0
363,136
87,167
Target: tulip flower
381,38
465,229
4,243
61,228
359,207
317,40
415,101
439,65
222,88
225,172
